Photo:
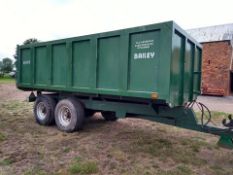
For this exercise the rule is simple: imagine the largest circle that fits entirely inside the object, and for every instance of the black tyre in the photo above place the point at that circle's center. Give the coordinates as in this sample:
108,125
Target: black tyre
109,116
89,113
44,107
69,115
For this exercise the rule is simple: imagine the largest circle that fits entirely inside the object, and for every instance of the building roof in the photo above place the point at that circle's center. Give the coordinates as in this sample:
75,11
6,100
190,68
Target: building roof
212,33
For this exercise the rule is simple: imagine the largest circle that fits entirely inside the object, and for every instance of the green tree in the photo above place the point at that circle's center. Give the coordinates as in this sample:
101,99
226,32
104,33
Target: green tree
7,65
0,66
1,73
30,41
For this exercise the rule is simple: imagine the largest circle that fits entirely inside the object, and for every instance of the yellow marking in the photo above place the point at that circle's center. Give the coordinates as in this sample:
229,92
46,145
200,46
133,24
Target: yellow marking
154,96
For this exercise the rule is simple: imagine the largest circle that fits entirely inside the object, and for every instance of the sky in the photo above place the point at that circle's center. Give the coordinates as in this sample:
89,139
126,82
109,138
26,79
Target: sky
55,19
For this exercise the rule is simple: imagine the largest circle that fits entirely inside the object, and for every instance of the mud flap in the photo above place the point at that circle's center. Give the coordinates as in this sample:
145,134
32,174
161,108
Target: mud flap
31,97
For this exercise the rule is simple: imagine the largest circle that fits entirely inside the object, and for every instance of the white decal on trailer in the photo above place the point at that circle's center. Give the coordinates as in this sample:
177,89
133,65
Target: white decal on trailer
144,55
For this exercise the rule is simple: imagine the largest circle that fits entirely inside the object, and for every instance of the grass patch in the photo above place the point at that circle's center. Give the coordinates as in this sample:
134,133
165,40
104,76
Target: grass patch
2,137
181,150
195,144
6,162
215,116
35,172
13,111
15,106
6,80
118,154
14,115
66,149
219,170
179,170
83,167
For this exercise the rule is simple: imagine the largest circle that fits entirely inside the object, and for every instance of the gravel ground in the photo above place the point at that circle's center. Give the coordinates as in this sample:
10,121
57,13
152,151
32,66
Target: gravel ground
221,104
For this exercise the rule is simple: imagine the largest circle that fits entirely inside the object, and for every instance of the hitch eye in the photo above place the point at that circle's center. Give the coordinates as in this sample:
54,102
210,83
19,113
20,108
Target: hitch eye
228,124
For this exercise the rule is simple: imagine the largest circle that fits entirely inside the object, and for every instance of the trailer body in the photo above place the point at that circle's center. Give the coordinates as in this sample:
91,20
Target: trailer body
154,61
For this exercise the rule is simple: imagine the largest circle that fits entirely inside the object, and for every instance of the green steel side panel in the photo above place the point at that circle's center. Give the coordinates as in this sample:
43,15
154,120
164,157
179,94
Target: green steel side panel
188,71
82,66
197,71
26,68
109,67
200,71
177,69
144,61
59,57
42,68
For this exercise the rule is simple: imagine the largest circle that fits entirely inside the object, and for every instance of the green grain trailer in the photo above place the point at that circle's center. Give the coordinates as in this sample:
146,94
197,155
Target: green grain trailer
148,71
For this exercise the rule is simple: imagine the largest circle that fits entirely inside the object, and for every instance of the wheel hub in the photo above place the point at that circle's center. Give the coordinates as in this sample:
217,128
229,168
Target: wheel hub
41,111
64,116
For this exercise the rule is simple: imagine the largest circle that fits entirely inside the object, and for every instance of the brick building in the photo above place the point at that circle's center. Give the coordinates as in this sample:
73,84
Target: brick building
217,58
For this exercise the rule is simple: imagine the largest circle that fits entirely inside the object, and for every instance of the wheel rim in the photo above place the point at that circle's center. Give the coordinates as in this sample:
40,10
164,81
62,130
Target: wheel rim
41,111
64,116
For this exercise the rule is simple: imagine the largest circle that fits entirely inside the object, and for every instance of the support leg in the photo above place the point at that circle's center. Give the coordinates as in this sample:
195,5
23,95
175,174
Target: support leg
226,142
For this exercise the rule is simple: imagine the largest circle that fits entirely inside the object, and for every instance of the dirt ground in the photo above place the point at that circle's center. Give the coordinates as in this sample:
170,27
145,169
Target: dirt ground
125,147
8,91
